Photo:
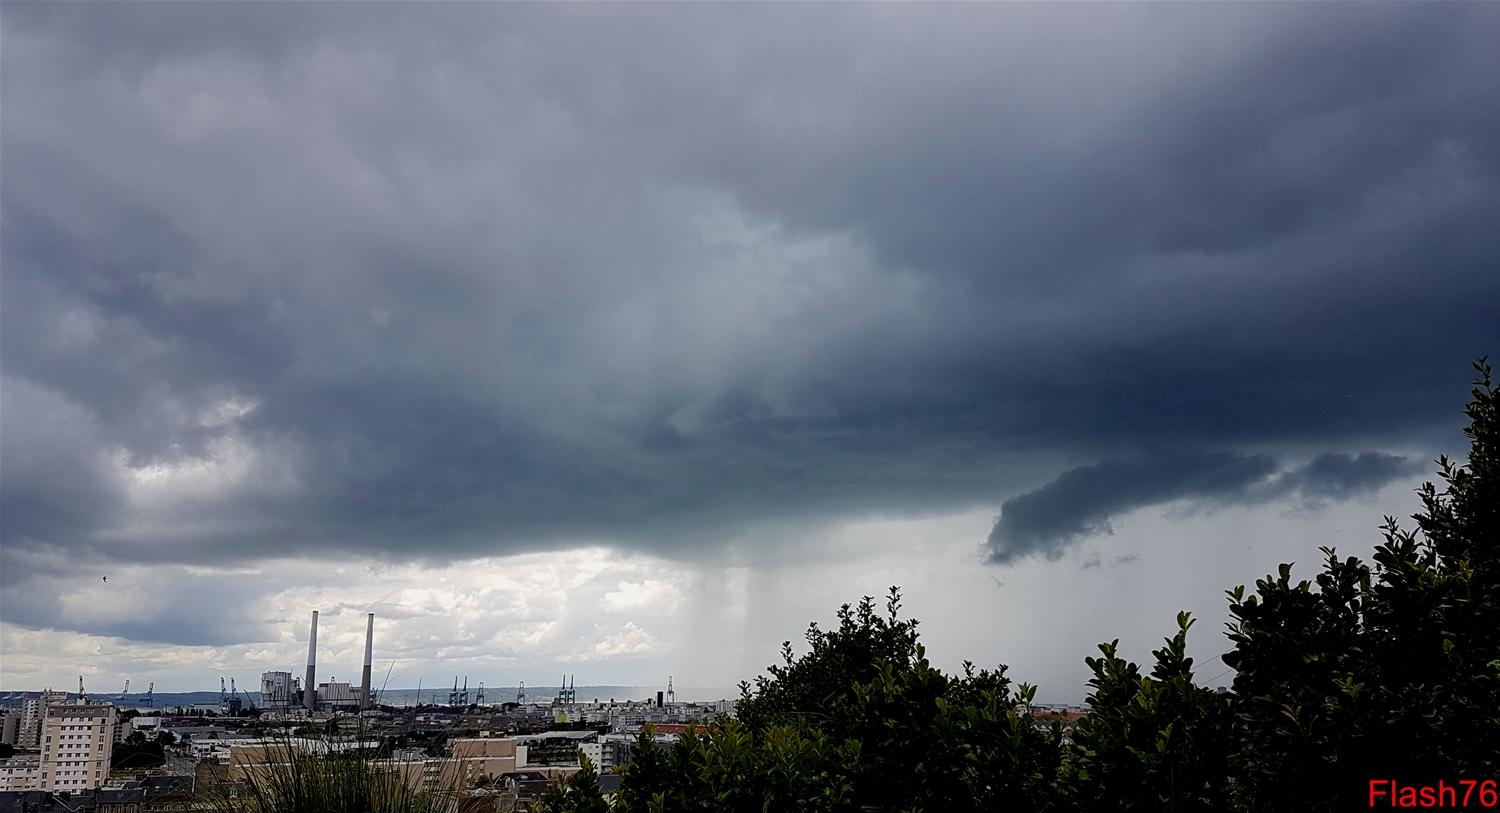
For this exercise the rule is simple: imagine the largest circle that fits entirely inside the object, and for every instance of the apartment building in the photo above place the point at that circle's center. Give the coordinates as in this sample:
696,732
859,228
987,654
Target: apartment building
10,727
20,773
33,714
78,741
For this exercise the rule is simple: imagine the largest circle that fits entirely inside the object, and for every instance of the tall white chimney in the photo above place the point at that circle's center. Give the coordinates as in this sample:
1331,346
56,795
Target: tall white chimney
364,695
310,687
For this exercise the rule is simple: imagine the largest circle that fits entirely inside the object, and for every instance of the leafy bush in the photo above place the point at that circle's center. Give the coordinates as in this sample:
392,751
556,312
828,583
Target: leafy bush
578,793
1150,743
862,721
1390,671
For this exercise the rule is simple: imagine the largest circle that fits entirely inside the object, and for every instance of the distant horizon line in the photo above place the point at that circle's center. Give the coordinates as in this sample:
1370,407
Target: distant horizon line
437,687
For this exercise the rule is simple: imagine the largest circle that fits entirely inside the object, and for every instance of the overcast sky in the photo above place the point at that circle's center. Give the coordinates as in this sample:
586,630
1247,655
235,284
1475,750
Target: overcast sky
625,339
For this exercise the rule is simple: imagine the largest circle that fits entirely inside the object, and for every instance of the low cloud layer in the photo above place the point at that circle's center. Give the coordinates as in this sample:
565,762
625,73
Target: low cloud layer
1081,502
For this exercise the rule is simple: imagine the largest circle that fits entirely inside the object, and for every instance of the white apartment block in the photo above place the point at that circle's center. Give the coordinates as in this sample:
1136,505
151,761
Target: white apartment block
77,743
20,773
33,712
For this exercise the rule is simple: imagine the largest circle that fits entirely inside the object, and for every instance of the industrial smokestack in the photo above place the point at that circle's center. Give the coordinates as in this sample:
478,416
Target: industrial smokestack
310,687
364,696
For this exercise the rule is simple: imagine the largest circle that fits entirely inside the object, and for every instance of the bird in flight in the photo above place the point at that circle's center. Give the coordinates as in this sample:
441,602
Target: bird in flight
106,578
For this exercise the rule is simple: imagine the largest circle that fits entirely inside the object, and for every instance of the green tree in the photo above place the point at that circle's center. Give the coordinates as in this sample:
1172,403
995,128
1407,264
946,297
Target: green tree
862,721
1389,671
807,688
935,741
649,773
1150,743
727,768
578,793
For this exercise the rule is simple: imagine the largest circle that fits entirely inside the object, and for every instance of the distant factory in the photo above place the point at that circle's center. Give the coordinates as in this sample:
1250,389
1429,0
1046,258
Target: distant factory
282,692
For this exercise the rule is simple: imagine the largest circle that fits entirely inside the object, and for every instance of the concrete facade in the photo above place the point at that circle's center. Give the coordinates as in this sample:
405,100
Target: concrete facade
78,741
20,773
10,727
33,713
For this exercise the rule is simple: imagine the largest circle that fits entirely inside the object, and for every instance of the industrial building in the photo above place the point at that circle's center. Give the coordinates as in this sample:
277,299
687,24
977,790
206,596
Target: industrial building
280,692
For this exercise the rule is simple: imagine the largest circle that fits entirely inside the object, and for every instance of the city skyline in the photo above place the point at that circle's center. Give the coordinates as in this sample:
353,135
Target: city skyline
625,340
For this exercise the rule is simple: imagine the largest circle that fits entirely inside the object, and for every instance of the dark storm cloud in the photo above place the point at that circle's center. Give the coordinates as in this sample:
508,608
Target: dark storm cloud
171,607
434,281
1341,476
1082,501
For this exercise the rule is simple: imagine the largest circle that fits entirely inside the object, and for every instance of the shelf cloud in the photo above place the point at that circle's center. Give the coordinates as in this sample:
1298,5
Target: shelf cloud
1081,502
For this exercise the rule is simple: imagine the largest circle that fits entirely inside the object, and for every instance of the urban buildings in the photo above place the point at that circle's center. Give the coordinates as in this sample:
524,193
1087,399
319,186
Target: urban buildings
78,740
33,712
20,773
67,743
10,726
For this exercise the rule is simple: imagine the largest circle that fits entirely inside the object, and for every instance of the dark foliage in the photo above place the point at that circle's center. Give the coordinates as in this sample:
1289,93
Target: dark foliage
808,689
1151,743
578,793
1386,671
862,721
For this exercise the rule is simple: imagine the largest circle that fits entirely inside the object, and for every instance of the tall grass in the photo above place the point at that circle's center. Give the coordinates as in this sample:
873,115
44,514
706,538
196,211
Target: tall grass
296,779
